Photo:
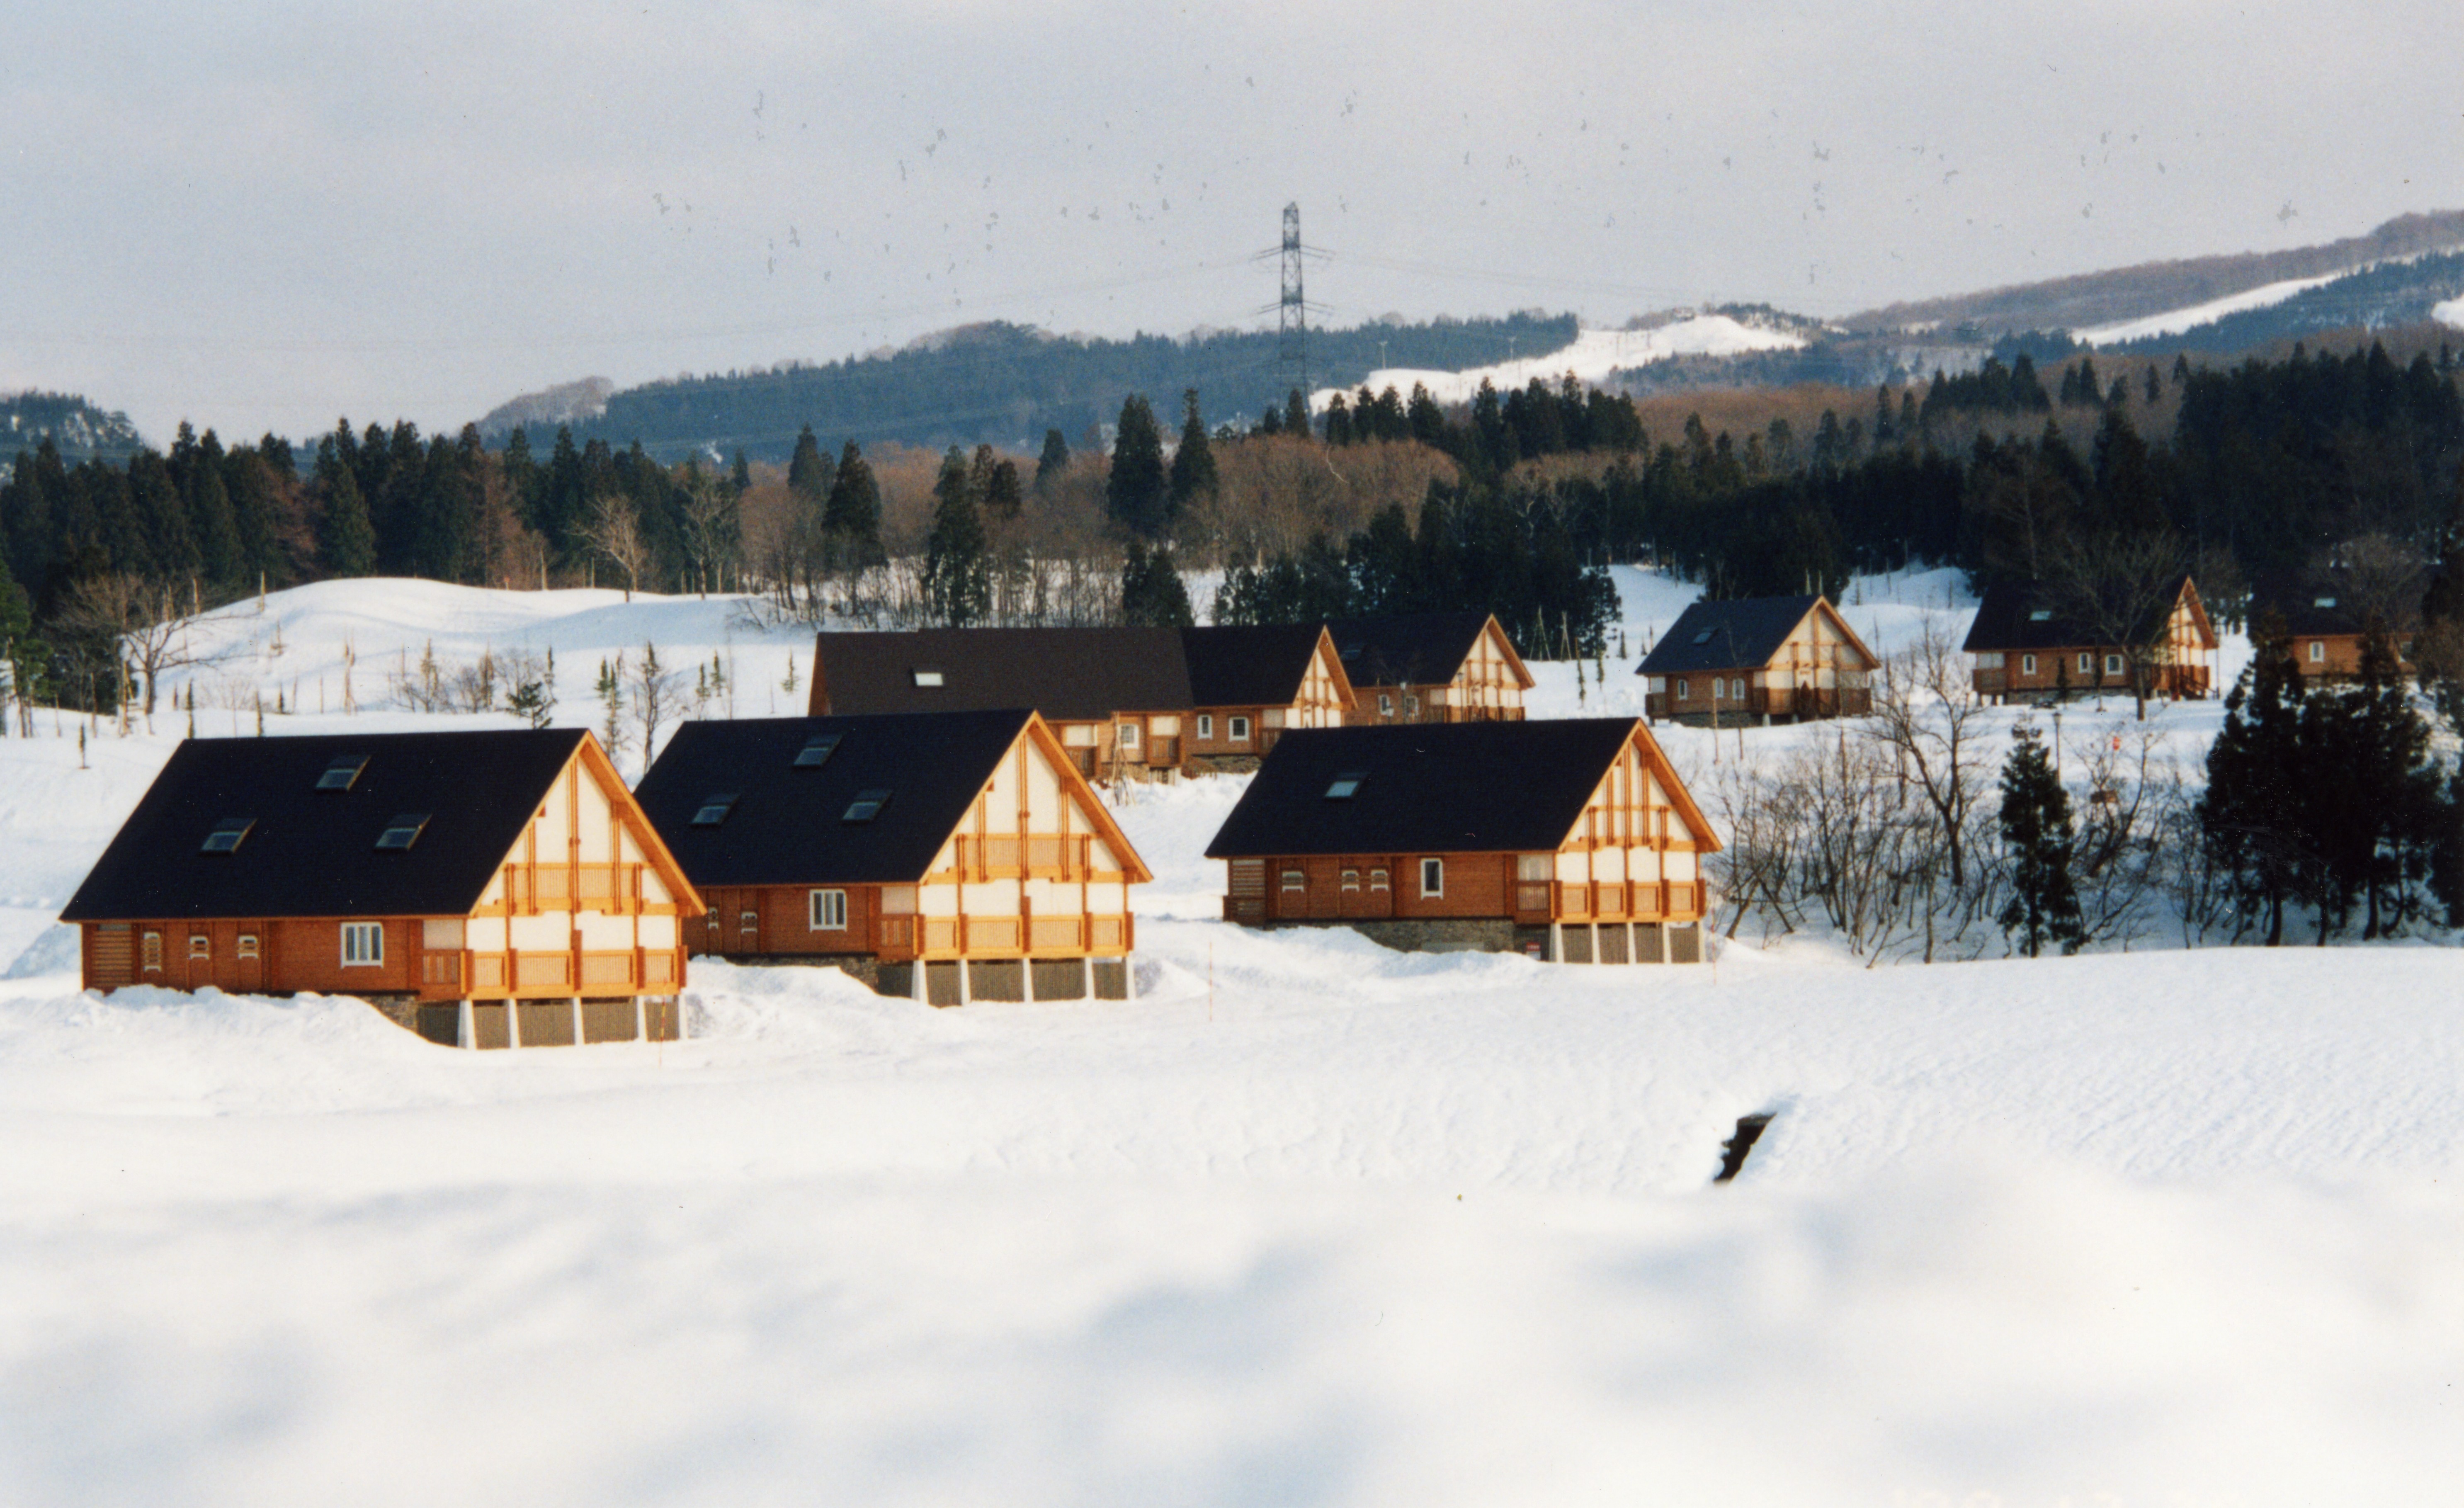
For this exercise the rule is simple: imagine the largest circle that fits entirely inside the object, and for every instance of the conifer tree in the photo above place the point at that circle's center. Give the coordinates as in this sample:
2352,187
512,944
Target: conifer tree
1050,465
1193,465
808,472
2035,823
1152,593
345,543
2251,814
1136,494
957,562
851,519
1003,499
1296,413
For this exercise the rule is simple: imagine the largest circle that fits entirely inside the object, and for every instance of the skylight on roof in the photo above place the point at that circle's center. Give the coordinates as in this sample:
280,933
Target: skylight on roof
226,835
402,831
816,750
1704,637
341,772
2041,615
714,809
927,677
2324,602
867,806
1345,785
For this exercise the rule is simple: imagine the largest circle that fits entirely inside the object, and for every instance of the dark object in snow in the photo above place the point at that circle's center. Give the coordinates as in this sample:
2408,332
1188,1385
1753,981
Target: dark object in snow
1732,1151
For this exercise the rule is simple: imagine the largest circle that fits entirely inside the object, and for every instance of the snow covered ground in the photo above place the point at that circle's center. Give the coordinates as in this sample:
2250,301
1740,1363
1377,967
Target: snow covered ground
2173,321
1308,1223
1595,355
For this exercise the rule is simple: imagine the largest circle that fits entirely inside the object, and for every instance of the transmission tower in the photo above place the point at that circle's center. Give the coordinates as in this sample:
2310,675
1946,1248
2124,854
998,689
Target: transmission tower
1294,310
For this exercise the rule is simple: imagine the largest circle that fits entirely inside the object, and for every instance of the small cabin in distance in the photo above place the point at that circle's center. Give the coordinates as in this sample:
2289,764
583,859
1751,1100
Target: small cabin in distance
1759,659
1570,840
2027,648
949,857
1432,667
2324,621
1249,685
483,889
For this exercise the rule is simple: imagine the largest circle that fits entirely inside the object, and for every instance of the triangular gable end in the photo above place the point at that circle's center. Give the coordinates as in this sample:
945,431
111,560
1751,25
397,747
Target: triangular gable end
1325,656
1070,787
2198,613
1822,608
587,817
1654,763
1494,632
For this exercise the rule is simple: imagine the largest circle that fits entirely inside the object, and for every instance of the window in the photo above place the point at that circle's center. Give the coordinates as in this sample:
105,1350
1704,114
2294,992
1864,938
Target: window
248,945
199,946
816,750
1704,637
1239,727
1433,876
402,831
1385,705
2028,664
226,835
2113,664
1410,706
714,809
362,944
1737,688
1295,881
1684,691
1345,785
1206,725
2318,651
341,773
2041,615
1351,881
1128,735
866,806
1534,869
150,951
828,910
2087,664
2324,602
927,677
1378,879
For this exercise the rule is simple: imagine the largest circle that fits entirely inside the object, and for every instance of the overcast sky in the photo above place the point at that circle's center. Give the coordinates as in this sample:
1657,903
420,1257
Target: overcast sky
269,216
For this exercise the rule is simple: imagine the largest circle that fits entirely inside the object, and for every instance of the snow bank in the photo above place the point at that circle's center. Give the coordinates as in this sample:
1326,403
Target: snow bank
1593,357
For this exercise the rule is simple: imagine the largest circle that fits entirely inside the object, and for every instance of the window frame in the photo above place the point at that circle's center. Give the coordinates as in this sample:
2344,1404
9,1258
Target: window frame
1126,734
2026,664
1236,730
2087,664
1433,868
200,946
1684,689
819,907
2317,652
365,938
1206,728
2114,665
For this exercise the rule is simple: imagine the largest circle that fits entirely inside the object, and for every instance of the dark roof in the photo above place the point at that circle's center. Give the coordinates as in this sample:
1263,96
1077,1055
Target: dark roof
1248,666
311,853
2317,604
788,824
1069,674
1746,631
1429,787
1414,649
2009,619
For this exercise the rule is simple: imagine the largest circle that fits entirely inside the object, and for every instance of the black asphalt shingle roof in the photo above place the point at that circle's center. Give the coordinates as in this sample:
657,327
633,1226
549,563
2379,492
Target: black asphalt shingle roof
311,853
2318,605
1412,649
787,826
1725,635
2018,616
1428,788
1248,666
1069,674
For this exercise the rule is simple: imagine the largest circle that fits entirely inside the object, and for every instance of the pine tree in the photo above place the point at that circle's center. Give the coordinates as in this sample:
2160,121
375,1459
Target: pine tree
1296,413
345,541
808,472
1193,465
1053,465
1136,494
1152,593
2036,831
1003,499
958,561
2250,816
851,519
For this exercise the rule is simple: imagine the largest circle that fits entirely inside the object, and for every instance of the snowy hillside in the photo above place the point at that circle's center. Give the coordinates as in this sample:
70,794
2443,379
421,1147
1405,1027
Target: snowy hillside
1594,357
1308,1223
2173,321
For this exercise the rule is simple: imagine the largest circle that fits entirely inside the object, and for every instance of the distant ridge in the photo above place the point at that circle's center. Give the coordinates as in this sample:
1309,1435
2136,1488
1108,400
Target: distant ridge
76,428
2090,300
566,403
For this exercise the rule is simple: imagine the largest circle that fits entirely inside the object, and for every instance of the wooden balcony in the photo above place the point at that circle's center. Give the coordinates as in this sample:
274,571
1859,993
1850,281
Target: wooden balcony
532,973
612,888
1632,900
902,939
996,855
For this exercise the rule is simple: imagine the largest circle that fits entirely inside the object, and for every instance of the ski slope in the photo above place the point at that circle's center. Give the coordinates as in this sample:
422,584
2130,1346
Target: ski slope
1593,357
1306,1223
2173,321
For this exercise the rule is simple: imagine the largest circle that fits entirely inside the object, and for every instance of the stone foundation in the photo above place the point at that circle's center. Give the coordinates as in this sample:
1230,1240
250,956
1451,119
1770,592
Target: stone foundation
544,1023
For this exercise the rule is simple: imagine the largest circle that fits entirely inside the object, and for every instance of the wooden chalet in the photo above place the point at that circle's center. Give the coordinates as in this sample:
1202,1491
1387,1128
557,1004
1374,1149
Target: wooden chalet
1431,667
483,889
944,855
1125,702
2028,650
1759,659
1571,840
2324,623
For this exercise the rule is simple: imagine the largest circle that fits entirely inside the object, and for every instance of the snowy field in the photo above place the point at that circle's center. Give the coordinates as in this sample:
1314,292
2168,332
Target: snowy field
1593,356
1308,1223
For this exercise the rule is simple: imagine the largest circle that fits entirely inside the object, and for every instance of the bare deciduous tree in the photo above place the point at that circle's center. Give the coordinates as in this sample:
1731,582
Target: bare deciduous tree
657,695
1926,713
143,614
2119,587
614,530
